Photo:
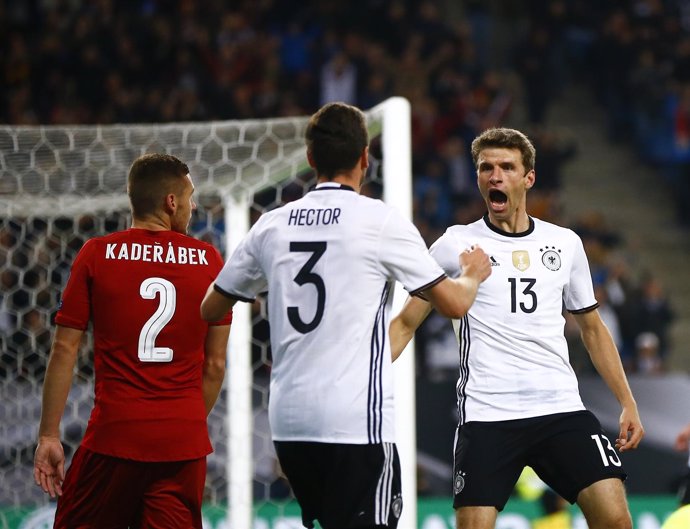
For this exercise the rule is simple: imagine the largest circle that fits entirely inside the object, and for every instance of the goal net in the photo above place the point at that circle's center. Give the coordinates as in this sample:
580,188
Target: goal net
60,185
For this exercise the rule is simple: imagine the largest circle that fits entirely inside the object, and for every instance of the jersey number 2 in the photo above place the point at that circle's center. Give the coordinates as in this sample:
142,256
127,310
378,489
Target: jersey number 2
304,276
148,352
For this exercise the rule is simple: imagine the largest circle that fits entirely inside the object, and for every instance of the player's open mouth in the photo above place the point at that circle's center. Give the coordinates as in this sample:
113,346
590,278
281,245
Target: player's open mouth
497,198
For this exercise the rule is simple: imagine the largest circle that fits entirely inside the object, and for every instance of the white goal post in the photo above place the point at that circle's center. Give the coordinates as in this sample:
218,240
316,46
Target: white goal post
60,185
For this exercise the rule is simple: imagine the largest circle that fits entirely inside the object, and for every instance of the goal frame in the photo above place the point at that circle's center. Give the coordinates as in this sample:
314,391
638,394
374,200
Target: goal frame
53,177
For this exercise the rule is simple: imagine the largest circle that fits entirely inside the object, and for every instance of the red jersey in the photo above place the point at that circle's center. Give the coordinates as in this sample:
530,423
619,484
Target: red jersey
142,290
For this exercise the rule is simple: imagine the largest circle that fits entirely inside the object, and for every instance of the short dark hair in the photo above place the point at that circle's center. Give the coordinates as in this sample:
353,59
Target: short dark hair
151,177
507,139
336,136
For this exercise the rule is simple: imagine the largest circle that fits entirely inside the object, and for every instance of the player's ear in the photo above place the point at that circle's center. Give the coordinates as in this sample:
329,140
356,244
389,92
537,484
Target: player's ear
364,159
170,203
530,178
310,159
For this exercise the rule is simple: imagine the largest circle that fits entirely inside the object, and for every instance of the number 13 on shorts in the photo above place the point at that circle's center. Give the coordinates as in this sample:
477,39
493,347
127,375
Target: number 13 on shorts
607,453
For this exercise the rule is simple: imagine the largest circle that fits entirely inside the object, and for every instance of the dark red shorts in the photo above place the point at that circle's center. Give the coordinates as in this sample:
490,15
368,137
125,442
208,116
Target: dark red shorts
104,492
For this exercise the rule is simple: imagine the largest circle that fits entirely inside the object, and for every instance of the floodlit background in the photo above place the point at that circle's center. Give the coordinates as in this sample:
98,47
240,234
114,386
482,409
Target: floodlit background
601,87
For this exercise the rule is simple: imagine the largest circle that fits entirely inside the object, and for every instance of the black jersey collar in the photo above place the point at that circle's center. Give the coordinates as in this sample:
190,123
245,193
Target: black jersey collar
498,230
324,186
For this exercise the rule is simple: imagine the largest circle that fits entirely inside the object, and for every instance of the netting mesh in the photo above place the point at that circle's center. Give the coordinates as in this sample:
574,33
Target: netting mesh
59,186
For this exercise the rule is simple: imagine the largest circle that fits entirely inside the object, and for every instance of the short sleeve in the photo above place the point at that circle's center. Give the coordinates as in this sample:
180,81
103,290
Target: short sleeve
74,309
216,261
578,295
242,277
405,255
447,254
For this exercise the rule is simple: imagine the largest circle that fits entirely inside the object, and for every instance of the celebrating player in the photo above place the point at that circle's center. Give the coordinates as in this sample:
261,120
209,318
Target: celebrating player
159,367
328,261
518,398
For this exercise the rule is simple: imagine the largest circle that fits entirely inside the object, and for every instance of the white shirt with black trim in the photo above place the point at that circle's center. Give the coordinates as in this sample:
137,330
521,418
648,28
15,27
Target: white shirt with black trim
328,261
514,359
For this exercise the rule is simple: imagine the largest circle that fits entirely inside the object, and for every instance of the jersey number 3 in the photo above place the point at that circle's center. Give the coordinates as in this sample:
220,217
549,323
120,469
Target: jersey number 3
304,276
148,352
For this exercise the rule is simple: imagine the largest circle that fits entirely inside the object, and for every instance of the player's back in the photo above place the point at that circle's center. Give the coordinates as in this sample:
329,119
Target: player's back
144,290
329,259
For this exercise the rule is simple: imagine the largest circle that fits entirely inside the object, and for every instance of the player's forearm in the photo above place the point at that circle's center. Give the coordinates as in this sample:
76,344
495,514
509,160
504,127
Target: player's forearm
56,386
453,297
400,336
215,306
405,324
212,384
215,353
606,360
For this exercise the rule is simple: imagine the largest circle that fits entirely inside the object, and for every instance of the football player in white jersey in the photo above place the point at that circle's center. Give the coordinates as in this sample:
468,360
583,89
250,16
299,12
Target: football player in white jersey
518,398
328,261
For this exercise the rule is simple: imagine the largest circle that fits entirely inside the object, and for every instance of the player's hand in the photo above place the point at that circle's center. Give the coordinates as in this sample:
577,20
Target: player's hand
631,429
475,263
683,439
49,465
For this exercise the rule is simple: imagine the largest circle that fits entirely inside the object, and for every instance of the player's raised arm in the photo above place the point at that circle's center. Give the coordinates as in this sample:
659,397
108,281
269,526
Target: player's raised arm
451,297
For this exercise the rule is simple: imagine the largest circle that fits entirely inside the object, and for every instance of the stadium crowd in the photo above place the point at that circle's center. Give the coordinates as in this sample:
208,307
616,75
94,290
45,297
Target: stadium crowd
73,61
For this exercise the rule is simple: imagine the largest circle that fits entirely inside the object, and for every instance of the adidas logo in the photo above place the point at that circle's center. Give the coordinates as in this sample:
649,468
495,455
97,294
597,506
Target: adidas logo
494,262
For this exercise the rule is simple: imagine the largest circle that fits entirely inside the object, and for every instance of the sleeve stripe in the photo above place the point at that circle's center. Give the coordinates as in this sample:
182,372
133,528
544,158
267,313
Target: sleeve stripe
232,296
436,281
586,309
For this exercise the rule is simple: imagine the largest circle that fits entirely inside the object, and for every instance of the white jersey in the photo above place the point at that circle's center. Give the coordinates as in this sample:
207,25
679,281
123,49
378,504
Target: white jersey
513,354
327,261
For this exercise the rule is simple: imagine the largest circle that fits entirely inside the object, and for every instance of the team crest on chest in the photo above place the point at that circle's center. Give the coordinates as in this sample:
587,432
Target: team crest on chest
551,257
521,260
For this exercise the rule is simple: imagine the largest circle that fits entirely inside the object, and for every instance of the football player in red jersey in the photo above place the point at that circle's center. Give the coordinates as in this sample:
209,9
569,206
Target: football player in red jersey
158,366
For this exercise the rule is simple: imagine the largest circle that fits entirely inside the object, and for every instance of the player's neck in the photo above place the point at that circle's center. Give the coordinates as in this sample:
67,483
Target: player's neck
517,223
151,223
352,179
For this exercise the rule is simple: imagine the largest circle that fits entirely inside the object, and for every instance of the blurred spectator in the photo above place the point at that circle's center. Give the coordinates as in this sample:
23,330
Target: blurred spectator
682,444
440,348
555,150
608,314
339,80
432,194
461,175
534,60
654,313
680,518
647,357
106,62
